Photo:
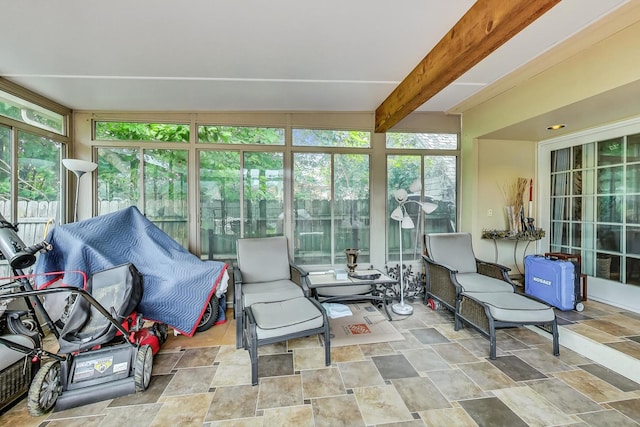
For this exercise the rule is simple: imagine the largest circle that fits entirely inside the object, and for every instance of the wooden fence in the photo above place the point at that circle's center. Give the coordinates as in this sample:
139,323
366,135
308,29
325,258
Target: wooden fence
36,218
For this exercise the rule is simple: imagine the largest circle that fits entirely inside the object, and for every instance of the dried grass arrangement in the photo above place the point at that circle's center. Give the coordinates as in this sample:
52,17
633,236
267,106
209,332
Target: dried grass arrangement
513,193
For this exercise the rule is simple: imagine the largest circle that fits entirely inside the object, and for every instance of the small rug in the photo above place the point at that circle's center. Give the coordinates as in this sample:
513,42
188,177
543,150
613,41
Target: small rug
367,325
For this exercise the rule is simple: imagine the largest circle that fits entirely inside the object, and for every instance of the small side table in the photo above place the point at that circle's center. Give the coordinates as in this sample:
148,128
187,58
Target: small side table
576,258
324,284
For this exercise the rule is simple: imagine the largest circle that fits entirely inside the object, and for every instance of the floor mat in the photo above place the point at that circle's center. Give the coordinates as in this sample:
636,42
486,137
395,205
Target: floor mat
366,325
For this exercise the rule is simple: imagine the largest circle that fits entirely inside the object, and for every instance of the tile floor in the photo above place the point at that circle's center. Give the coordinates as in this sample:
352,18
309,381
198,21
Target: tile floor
435,377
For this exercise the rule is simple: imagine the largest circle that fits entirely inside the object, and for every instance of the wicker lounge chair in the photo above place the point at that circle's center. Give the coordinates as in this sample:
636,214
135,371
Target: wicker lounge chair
479,293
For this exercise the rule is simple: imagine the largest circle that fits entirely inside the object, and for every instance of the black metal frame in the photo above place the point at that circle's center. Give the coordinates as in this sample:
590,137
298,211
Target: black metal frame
297,275
251,341
468,314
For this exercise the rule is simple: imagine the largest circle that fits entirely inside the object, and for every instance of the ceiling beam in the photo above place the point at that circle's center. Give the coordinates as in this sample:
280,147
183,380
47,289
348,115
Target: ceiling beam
486,26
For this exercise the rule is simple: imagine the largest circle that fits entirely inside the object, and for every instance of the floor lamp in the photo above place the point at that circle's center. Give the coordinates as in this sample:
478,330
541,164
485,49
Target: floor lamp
79,168
405,222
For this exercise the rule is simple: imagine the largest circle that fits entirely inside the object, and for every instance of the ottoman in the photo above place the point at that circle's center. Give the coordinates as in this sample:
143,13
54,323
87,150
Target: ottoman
271,322
486,311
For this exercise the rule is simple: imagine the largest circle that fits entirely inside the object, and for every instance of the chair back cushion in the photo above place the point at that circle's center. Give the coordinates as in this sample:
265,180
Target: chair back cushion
263,259
453,250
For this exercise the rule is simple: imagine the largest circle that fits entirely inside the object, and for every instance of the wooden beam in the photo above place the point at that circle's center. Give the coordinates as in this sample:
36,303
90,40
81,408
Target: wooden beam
486,26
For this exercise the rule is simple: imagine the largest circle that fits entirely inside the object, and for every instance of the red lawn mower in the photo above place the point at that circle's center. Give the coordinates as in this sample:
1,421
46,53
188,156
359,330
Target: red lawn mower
105,348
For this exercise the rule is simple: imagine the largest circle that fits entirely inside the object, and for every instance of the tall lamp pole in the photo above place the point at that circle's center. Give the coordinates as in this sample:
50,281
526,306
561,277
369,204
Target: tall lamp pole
405,222
79,168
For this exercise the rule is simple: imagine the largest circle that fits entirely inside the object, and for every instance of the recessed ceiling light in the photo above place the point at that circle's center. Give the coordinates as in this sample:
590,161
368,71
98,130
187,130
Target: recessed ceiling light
556,127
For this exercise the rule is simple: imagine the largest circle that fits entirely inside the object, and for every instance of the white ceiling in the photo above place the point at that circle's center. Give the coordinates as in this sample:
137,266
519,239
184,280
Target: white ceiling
251,55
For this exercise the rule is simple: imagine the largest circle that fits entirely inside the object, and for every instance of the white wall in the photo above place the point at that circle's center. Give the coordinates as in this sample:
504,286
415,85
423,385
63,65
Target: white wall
499,164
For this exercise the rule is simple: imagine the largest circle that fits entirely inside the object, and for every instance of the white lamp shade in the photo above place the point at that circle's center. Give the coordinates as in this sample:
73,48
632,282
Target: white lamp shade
397,214
77,165
415,186
428,207
407,222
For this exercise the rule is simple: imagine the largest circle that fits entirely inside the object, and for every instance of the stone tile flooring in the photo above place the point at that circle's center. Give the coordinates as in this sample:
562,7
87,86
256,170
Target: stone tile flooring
435,377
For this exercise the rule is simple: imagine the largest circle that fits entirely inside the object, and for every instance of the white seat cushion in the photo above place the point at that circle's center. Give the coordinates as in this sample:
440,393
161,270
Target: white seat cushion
476,282
513,307
277,290
339,291
275,319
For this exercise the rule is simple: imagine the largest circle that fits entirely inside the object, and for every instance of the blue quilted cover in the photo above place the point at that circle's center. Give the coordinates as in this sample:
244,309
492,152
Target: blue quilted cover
177,284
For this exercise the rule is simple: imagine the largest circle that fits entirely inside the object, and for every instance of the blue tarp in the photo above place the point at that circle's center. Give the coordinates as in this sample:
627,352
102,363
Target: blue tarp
177,284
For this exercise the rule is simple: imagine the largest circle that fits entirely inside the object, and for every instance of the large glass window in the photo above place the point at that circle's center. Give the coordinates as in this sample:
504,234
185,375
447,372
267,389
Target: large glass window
220,180
39,190
428,177
241,194
311,185
595,206
118,176
263,179
164,184
241,191
165,192
331,207
331,196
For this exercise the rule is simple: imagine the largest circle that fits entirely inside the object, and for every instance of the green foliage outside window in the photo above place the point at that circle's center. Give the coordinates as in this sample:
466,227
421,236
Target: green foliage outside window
129,131
241,135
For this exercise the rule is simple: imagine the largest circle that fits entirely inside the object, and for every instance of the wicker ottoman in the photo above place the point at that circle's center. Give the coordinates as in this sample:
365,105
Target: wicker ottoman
488,311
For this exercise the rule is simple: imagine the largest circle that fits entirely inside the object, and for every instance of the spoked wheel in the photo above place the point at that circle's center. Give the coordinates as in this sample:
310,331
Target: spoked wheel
210,315
45,389
143,367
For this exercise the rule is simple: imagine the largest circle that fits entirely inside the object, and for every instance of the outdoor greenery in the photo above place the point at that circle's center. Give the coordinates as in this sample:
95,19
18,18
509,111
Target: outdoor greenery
26,112
38,167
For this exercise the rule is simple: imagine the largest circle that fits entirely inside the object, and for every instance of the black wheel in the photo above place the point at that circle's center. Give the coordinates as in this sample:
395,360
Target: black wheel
161,331
210,315
45,389
143,367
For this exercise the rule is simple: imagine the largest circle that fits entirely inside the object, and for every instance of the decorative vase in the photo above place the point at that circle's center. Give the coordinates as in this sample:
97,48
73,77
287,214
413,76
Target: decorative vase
512,220
352,257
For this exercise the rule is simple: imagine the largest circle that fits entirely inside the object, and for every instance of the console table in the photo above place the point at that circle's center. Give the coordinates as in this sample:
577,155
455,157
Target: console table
528,236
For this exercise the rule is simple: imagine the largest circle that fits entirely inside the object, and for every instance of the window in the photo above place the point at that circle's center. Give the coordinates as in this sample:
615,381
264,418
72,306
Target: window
241,190
595,206
331,207
165,192
35,202
423,141
331,196
331,138
34,115
131,131
313,185
429,179
241,135
164,184
241,194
